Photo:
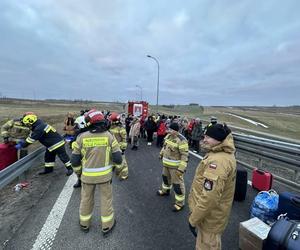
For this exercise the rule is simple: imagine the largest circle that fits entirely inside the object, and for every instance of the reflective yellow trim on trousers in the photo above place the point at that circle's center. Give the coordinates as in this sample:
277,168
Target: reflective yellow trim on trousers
169,162
106,219
77,168
49,164
85,217
30,140
179,197
56,145
164,186
68,164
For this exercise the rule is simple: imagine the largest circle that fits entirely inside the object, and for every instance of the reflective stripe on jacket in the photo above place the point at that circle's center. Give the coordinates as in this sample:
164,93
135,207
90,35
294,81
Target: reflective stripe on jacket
175,152
46,135
120,133
14,129
96,151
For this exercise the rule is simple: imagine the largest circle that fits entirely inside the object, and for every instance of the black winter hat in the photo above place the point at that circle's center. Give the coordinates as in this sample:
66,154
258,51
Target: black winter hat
218,131
174,126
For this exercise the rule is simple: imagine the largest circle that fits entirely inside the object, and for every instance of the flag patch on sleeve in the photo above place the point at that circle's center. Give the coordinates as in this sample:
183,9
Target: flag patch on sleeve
213,166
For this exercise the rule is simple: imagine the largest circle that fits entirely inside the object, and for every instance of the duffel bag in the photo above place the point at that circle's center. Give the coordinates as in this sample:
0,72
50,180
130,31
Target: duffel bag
264,206
284,235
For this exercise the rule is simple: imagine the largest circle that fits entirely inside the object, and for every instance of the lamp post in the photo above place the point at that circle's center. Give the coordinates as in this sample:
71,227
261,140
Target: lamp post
138,86
157,90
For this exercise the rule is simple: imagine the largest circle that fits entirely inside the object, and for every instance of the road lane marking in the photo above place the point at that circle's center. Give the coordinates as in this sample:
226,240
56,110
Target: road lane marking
200,157
45,239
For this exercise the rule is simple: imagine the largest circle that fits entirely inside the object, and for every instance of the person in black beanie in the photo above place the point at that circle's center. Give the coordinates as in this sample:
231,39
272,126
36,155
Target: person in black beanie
212,190
217,131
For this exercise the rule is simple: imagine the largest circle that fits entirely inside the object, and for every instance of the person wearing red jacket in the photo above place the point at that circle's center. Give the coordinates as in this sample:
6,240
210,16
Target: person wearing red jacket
190,129
161,133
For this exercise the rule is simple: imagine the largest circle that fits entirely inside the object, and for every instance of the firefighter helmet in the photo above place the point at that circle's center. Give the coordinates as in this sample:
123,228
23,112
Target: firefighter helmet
114,116
29,118
94,116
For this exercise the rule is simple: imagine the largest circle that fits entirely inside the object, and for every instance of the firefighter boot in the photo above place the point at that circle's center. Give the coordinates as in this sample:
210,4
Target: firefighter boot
46,170
77,184
162,193
106,231
177,208
85,229
69,171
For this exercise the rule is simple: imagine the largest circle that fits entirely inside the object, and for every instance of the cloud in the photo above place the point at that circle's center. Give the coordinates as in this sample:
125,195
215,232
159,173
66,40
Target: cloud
211,52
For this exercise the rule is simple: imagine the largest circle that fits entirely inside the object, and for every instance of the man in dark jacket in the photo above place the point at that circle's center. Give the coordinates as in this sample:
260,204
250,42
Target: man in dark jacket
150,126
196,135
46,135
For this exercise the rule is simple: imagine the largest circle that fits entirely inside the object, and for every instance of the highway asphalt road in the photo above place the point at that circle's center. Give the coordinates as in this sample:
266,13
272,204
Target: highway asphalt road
144,220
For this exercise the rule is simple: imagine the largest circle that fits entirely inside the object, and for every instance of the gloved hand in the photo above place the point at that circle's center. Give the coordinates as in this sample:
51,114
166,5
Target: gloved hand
179,174
6,140
18,146
193,230
160,157
123,151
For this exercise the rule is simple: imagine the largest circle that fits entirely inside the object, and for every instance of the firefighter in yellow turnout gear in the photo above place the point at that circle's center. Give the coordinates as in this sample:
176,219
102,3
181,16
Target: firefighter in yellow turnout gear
120,133
93,154
15,131
174,155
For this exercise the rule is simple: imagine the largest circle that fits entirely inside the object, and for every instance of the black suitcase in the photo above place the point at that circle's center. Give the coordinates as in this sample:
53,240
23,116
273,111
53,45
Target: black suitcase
284,235
289,203
240,184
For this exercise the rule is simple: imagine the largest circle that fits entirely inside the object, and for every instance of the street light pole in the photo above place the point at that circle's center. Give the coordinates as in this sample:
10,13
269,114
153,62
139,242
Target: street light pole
157,90
138,86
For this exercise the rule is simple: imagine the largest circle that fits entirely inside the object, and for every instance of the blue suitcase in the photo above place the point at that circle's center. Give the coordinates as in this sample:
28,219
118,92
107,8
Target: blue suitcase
284,235
289,203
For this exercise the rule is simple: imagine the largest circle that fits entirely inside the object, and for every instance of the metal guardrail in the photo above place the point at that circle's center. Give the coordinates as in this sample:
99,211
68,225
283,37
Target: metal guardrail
274,150
16,169
284,154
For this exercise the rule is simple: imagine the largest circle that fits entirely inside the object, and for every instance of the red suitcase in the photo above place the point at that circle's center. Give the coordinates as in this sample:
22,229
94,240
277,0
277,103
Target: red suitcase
8,155
261,180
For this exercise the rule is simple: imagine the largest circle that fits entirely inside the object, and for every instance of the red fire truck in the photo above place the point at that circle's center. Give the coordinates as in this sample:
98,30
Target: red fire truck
137,108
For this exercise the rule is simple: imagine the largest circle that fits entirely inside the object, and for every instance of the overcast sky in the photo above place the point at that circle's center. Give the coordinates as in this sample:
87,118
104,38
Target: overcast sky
211,52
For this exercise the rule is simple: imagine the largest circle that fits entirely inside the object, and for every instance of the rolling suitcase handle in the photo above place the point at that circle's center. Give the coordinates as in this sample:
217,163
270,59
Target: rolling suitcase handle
259,171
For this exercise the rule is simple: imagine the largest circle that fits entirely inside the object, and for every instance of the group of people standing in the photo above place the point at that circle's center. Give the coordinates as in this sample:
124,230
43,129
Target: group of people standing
99,146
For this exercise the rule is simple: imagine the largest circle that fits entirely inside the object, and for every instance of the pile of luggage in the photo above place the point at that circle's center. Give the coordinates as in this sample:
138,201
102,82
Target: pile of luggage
280,211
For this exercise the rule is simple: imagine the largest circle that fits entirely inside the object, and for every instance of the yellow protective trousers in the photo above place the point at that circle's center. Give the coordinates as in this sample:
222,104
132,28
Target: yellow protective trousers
171,179
87,204
208,241
122,169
